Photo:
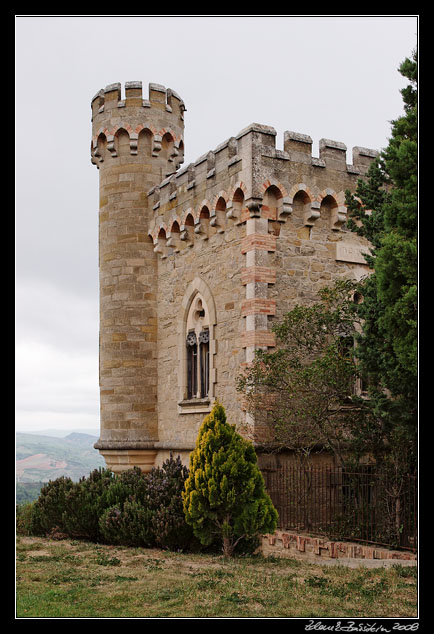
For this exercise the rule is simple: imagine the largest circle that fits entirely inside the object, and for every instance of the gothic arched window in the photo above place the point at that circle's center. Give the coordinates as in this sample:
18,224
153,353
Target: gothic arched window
197,374
197,343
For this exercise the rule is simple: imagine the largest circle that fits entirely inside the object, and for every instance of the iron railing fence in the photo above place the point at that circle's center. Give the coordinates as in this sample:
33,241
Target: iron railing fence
366,505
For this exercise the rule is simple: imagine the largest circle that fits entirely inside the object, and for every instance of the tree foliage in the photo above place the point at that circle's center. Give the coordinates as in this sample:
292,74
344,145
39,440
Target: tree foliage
302,391
131,508
224,497
384,210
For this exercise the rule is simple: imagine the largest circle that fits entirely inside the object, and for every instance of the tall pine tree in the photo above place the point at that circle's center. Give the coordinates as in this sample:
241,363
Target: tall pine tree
384,210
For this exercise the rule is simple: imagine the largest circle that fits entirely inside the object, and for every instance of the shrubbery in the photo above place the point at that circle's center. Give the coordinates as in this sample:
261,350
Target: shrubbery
131,509
222,498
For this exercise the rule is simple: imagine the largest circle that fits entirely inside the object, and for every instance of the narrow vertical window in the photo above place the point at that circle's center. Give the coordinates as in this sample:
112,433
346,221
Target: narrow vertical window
204,362
191,365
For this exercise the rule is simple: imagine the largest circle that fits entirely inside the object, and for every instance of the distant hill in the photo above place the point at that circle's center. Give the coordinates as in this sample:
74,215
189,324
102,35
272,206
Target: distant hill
42,458
59,433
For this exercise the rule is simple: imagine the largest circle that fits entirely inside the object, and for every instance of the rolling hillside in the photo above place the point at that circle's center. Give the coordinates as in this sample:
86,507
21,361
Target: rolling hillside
44,458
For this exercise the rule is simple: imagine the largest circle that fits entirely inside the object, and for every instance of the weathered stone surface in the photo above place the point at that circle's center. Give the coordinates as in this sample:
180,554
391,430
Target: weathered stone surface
252,228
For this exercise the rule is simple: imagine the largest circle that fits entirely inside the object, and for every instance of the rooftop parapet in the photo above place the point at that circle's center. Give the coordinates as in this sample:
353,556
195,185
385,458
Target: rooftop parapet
363,157
157,120
334,155
158,96
297,148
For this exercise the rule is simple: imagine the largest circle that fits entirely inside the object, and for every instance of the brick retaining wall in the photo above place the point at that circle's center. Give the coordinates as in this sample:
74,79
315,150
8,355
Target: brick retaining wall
322,551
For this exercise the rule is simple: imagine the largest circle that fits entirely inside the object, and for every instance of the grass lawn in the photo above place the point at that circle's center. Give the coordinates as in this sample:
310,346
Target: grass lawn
73,579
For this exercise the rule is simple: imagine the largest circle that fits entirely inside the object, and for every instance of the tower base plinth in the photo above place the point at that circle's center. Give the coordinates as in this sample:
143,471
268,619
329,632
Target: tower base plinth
120,459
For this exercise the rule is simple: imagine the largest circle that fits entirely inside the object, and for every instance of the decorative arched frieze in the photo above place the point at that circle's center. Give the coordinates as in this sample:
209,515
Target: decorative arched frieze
187,227
273,182
338,210
202,219
235,203
140,128
144,141
173,236
167,132
119,140
237,186
276,204
160,240
310,203
99,146
218,211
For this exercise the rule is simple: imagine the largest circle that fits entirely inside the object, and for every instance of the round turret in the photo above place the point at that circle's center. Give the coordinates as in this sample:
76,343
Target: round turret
136,143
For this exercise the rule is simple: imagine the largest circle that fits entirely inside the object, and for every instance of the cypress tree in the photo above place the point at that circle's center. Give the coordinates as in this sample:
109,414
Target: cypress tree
224,496
384,210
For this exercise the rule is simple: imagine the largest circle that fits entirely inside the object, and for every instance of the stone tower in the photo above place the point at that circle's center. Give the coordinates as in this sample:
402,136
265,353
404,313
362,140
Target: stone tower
136,144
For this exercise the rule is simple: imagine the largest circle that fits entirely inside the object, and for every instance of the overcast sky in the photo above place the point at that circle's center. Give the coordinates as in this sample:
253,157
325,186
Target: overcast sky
332,77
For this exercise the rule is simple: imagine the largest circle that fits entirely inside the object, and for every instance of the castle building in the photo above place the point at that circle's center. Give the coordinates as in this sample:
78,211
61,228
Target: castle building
197,261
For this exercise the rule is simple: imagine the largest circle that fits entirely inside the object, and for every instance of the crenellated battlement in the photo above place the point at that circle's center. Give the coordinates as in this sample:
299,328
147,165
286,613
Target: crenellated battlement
222,245
155,123
158,96
208,192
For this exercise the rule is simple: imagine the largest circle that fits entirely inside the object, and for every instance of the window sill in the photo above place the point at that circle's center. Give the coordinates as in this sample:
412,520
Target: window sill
194,405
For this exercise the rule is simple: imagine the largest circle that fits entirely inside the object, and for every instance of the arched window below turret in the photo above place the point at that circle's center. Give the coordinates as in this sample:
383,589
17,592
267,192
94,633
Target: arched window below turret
197,343
197,349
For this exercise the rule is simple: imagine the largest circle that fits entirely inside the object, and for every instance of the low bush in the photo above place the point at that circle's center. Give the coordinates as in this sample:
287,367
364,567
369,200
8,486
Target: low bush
28,520
127,526
164,497
131,509
132,483
49,509
84,504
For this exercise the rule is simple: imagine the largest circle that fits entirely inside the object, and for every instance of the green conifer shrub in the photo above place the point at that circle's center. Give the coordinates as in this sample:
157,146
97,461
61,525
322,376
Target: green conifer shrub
28,519
146,509
48,510
132,483
85,503
128,526
126,520
164,498
224,496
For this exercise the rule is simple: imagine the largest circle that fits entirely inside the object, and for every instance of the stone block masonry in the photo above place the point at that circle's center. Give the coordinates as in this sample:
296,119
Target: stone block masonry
127,147
247,229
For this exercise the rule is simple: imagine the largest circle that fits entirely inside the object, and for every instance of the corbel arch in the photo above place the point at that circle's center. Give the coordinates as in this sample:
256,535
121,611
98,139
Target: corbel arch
236,201
274,183
160,240
179,145
173,235
275,201
167,141
187,227
144,140
300,187
333,204
99,144
218,211
304,204
118,142
202,219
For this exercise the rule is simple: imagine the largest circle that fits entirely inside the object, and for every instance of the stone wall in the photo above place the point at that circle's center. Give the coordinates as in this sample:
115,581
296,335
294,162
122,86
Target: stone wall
217,262
322,551
135,142
251,228
263,229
